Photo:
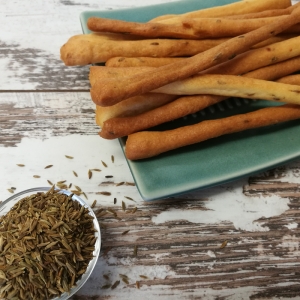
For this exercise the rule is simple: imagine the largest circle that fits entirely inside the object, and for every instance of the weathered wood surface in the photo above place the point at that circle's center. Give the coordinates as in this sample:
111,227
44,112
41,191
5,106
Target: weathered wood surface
179,241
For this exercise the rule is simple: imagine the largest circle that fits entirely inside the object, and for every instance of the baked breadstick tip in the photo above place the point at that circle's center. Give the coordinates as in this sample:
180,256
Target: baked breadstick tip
146,144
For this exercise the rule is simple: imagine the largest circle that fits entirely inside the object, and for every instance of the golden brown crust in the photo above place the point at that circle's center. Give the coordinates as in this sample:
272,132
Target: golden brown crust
93,48
132,106
237,8
118,127
147,144
190,28
123,62
110,92
258,58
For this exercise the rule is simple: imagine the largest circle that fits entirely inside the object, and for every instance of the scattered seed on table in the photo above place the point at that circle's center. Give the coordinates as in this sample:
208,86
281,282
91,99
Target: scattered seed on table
20,165
96,170
134,210
106,286
94,204
120,183
70,185
104,164
129,198
115,284
130,183
105,276
143,276
36,176
49,166
50,182
123,205
11,190
135,250
115,200
223,245
125,232
137,283
77,188
104,193
68,156
75,173
84,194
90,174
109,176
112,159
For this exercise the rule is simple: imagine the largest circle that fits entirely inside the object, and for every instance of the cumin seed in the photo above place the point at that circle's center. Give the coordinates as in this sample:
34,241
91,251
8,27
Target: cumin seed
224,244
115,284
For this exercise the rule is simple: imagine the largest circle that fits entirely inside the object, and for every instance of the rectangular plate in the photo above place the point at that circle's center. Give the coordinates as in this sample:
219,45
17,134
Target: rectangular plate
214,161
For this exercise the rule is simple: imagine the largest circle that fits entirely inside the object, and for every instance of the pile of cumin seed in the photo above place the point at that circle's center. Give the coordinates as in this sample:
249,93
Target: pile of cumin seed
46,243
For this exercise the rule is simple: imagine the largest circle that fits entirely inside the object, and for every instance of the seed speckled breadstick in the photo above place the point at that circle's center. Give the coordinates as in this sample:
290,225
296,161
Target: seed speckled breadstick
123,62
257,58
253,59
197,28
147,144
291,79
233,86
84,49
266,13
131,106
183,106
237,8
277,70
109,92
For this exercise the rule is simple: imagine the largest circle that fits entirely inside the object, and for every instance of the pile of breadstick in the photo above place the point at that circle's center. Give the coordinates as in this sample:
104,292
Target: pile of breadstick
176,65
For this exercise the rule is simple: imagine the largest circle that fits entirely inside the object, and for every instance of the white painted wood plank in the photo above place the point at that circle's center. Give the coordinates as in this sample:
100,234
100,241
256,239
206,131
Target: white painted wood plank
178,240
32,33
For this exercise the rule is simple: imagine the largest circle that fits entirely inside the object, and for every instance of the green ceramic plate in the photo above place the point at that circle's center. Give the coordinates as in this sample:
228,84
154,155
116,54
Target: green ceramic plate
215,161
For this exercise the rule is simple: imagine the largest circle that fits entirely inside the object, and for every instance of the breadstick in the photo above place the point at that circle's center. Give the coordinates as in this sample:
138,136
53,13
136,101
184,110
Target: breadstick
266,13
292,79
147,144
197,28
237,8
110,91
183,106
84,49
257,58
131,106
247,59
100,72
277,70
123,62
234,86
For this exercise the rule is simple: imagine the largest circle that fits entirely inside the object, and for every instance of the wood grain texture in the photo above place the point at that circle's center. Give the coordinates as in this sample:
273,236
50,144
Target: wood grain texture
181,251
253,265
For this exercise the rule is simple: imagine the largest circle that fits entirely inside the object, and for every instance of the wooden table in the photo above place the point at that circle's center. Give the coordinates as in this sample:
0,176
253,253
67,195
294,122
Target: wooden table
176,248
